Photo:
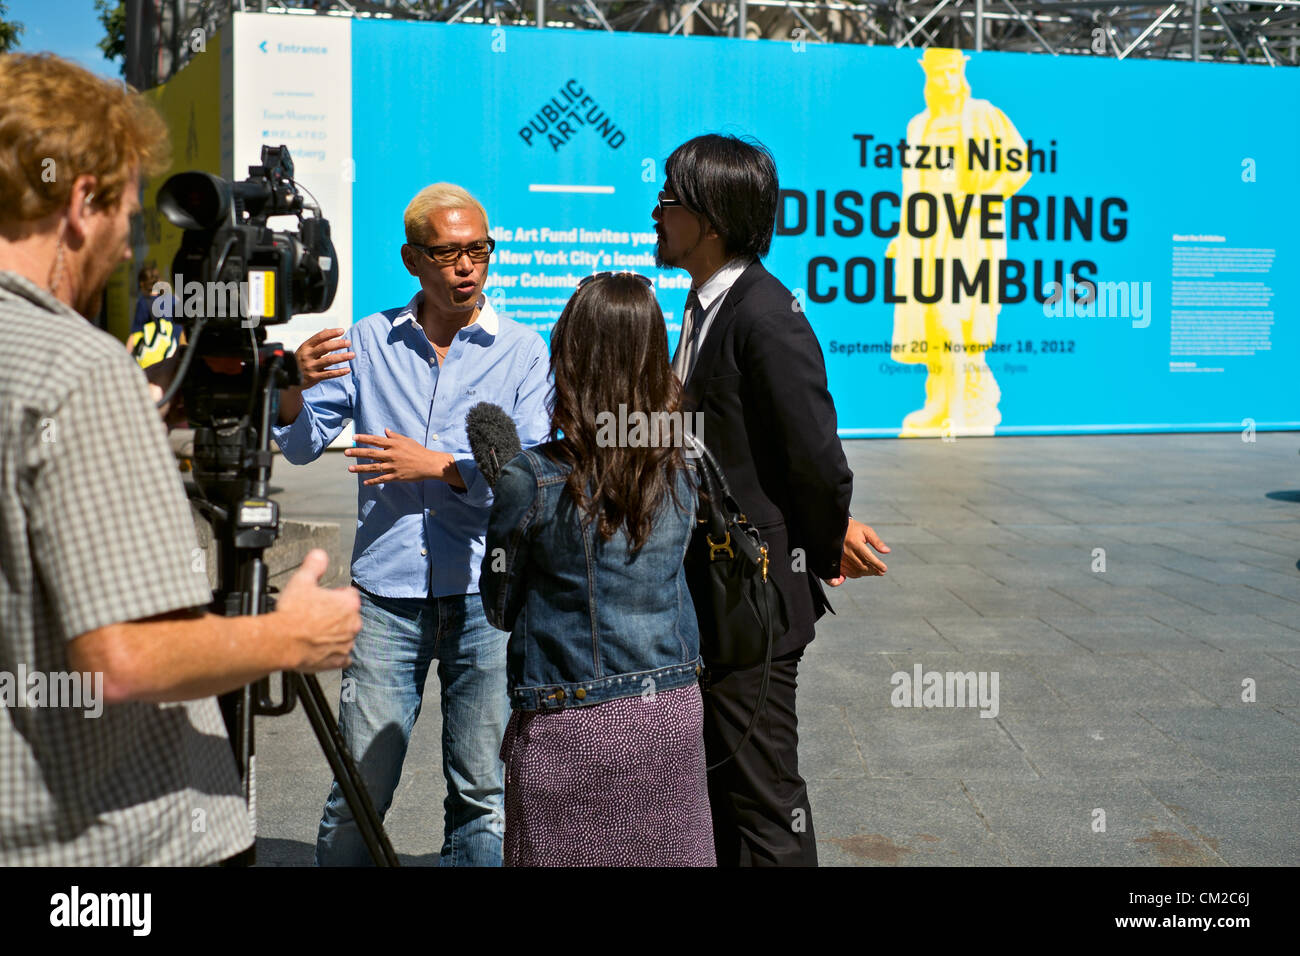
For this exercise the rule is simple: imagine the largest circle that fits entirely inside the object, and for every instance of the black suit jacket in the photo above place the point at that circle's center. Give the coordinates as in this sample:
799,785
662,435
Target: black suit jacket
769,420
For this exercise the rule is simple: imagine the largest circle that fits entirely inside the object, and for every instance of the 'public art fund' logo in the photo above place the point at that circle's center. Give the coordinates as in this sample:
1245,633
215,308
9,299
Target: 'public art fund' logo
566,114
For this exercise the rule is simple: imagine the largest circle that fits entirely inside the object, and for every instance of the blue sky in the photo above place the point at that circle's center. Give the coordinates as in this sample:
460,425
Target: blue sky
69,28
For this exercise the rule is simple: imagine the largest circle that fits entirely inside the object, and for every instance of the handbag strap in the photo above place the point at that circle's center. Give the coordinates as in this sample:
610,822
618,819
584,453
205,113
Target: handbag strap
722,509
713,474
762,687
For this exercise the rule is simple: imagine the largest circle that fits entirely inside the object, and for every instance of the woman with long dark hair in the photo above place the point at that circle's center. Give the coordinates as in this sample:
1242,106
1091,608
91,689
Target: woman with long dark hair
583,564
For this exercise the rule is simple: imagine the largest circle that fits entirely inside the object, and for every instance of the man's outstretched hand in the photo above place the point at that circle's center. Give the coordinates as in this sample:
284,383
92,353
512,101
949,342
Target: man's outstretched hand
858,560
315,356
395,457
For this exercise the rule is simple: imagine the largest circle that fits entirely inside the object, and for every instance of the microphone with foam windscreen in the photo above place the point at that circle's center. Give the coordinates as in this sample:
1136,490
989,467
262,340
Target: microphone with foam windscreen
493,439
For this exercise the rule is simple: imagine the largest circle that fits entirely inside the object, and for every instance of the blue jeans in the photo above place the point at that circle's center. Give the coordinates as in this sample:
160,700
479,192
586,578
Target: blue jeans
380,702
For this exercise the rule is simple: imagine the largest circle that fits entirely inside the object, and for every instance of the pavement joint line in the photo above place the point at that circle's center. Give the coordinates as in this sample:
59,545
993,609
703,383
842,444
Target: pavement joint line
1284,714
1255,547
1280,661
1282,623
1221,650
1186,824
1186,574
1024,755
1179,746
1169,624
1147,657
844,717
1198,579
963,601
1029,666
1006,859
1008,554
1047,623
1182,600
1247,584
938,633
1084,607
1276,594
991,574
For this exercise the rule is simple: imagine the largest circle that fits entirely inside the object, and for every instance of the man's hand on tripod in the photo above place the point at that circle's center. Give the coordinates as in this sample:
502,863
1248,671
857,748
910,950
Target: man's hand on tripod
321,623
188,653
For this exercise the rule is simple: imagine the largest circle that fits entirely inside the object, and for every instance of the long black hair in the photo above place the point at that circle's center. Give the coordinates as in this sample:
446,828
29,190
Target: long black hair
610,348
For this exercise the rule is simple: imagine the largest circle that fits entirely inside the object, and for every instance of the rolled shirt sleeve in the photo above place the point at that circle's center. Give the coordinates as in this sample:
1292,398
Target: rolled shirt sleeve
326,408
530,413
477,492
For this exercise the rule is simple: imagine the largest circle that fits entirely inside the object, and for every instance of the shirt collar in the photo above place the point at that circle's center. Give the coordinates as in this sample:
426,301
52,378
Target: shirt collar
721,281
487,320
29,290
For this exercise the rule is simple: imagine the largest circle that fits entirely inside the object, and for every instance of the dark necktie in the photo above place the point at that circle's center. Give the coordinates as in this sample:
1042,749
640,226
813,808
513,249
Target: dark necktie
689,342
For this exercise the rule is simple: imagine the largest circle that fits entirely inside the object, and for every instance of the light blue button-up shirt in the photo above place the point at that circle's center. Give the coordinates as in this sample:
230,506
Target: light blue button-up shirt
421,538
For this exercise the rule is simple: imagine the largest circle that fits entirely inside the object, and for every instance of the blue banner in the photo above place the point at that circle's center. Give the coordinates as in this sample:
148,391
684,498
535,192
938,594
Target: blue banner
984,243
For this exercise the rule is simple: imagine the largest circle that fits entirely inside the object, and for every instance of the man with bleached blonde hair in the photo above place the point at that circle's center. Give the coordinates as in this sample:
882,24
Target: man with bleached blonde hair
407,377
434,198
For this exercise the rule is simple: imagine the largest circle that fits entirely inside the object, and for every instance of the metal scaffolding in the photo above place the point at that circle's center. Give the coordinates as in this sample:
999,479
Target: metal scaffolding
1265,32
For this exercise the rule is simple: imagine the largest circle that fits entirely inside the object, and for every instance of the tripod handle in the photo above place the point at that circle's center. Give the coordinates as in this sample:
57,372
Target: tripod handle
264,706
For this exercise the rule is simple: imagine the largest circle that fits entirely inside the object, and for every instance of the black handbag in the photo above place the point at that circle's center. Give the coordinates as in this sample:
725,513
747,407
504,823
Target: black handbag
740,610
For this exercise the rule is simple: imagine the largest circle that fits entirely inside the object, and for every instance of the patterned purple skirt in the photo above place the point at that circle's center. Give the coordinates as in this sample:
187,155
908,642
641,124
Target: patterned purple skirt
616,784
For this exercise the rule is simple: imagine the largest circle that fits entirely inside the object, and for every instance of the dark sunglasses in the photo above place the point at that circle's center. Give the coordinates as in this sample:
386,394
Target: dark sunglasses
664,202
479,251
587,280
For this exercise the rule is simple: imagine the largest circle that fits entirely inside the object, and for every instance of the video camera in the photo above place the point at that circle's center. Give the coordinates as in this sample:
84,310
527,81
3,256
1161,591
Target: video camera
242,276
228,246
231,377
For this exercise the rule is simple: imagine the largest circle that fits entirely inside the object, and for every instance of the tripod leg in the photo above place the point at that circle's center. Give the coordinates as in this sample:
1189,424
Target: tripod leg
237,711
345,769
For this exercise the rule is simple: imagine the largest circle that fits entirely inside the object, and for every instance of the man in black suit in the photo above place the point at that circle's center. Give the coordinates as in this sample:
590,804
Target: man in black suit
749,361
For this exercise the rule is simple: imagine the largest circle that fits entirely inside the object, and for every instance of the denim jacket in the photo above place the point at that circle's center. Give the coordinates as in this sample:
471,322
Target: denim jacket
589,620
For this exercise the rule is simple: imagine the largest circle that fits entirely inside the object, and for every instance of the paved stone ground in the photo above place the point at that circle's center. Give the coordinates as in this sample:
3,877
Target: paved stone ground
1119,690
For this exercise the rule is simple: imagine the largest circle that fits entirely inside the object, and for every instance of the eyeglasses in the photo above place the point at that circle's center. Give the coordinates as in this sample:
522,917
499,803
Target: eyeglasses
587,280
479,251
664,201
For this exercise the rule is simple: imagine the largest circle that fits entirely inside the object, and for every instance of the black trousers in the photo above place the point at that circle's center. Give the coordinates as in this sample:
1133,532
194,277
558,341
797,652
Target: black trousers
761,815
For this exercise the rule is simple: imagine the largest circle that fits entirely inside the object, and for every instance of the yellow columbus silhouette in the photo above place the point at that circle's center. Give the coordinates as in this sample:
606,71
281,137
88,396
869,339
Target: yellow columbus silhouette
961,395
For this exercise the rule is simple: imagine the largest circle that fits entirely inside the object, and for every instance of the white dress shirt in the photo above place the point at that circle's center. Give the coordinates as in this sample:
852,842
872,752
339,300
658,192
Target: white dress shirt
695,327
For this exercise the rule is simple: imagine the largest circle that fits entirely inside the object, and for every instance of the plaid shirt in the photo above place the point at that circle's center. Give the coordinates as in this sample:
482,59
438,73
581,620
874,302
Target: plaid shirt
94,530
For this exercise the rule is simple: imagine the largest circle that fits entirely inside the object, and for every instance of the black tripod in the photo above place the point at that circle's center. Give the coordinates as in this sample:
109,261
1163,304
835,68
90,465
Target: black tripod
229,392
